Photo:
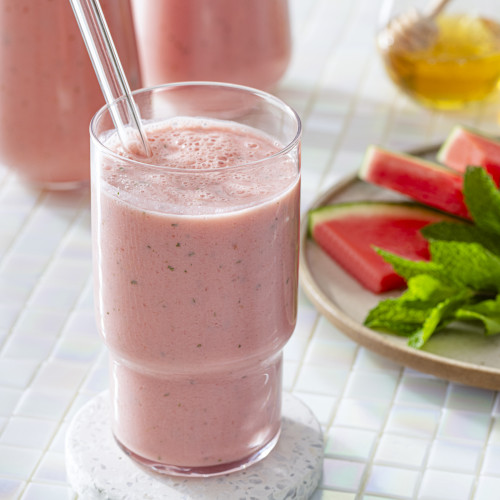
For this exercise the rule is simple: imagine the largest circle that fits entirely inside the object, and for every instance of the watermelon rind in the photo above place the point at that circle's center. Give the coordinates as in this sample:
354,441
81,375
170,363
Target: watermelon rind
466,146
348,231
373,150
392,208
455,134
424,181
451,139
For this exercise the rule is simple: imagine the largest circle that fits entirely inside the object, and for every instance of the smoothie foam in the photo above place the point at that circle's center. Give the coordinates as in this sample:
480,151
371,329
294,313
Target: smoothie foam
199,294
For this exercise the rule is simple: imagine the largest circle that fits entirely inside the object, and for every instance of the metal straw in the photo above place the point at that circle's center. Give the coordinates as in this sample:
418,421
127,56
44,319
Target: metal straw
111,76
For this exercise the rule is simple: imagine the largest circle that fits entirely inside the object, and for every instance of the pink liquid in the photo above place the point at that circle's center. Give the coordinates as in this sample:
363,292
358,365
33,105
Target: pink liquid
245,41
197,294
49,91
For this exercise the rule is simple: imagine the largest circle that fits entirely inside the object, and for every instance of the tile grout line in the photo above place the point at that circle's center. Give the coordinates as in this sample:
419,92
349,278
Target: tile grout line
341,136
304,353
482,456
77,214
433,439
70,403
380,432
50,260
21,230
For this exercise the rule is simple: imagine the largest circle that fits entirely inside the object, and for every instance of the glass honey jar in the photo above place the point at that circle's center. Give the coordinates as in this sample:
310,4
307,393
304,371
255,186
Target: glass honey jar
459,65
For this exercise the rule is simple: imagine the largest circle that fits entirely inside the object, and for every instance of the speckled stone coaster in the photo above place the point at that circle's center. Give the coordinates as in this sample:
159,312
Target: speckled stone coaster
97,468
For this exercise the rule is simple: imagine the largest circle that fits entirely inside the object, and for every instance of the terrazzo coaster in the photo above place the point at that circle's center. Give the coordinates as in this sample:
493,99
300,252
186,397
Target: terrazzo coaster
97,468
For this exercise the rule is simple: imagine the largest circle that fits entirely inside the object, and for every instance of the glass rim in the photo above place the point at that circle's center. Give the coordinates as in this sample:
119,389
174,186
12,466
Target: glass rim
263,95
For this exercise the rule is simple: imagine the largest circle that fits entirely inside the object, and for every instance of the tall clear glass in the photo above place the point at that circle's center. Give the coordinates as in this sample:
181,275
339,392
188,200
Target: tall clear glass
246,42
196,273
49,91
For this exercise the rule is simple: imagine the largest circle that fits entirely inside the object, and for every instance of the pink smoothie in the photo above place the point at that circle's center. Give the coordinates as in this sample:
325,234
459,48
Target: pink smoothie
49,91
244,41
196,292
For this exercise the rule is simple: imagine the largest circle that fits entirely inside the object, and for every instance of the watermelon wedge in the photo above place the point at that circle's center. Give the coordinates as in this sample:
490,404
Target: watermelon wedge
427,182
347,232
465,146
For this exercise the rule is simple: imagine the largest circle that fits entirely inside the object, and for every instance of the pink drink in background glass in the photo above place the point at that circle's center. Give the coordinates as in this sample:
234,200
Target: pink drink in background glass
49,91
245,41
196,271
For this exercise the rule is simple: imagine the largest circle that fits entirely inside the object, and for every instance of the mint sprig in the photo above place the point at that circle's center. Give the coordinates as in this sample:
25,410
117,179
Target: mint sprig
468,233
482,199
460,282
487,312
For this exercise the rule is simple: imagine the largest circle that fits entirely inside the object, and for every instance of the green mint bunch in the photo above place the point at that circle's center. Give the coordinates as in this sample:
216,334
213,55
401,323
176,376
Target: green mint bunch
460,282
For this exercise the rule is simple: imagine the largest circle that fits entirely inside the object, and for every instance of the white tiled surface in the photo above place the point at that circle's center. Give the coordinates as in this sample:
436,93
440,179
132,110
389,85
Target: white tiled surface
390,432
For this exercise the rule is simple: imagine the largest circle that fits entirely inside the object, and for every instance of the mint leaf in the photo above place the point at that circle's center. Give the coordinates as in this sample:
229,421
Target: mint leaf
482,199
487,312
396,324
467,233
405,315
395,316
439,317
409,268
425,288
455,263
466,264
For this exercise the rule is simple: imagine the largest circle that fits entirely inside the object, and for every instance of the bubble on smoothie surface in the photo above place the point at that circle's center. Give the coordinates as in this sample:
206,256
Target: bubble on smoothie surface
212,148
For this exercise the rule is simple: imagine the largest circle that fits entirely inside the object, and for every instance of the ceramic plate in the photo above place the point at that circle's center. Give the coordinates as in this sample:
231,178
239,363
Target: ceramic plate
458,354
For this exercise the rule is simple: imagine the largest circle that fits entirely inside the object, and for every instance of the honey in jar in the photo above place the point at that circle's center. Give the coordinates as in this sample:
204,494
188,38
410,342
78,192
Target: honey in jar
461,66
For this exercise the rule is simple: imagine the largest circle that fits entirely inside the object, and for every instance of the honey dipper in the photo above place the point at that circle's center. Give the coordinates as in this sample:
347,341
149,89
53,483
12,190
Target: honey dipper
414,30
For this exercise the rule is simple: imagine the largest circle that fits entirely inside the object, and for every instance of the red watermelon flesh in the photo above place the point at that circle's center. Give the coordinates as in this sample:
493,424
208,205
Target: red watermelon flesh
426,182
465,146
347,232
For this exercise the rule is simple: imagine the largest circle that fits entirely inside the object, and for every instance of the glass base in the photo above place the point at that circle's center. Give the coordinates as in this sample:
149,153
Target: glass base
61,186
206,471
97,466
52,185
